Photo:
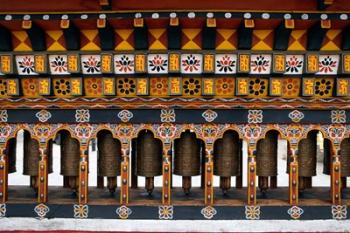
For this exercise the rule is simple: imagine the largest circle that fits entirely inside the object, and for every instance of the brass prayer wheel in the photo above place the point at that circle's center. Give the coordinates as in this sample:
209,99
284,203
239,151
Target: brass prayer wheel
11,155
70,157
187,159
307,150
149,158
226,159
109,158
31,159
266,159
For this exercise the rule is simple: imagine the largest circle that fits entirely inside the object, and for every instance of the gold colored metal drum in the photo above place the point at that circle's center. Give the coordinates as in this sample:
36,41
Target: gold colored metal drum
345,157
31,159
149,158
11,155
226,159
266,159
307,150
109,158
70,157
187,158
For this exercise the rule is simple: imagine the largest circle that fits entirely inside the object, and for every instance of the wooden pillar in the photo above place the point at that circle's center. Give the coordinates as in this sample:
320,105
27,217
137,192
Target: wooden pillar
124,175
335,176
209,168
43,173
3,174
203,162
83,175
293,176
251,174
166,190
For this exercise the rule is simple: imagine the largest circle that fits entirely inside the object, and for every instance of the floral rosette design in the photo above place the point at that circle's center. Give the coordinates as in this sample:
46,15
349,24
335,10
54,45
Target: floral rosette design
62,87
260,64
30,86
291,87
124,64
157,64
225,86
323,87
225,64
93,86
159,86
26,64
92,65
257,87
126,86
3,87
59,64
294,65
191,86
191,64
327,65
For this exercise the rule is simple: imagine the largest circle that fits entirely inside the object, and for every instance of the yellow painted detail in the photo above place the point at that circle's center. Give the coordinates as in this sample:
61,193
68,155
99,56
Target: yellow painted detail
90,35
124,34
55,35
226,34
22,36
191,33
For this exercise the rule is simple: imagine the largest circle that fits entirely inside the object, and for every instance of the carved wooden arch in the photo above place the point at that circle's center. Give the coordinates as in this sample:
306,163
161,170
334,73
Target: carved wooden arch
7,132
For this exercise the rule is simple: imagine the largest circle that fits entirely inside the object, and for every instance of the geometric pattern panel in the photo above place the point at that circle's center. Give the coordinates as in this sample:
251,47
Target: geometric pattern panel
21,41
89,40
332,41
262,39
297,40
158,39
226,39
124,39
191,38
55,40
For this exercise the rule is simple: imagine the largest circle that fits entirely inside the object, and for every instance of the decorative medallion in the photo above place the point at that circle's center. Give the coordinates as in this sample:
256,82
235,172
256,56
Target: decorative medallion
339,212
191,86
41,210
191,63
123,212
157,63
323,87
167,115
81,211
295,212
252,212
58,64
2,210
125,115
83,131
3,87
294,64
338,116
257,87
124,64
296,116
159,86
208,212
82,115
166,212
328,64
260,64
5,131
290,87
43,115
225,63
62,87
126,86
91,64
224,86
209,115
25,65
3,116
255,116
93,86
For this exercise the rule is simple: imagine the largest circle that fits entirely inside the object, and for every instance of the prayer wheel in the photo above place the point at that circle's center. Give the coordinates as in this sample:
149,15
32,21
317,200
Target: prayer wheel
266,160
307,150
187,159
109,158
31,159
345,160
149,158
226,159
70,157
11,155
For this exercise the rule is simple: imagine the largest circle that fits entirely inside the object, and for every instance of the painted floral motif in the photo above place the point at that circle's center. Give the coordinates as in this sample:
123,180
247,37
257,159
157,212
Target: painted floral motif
42,131
225,64
260,64
159,86
25,65
83,131
2,210
191,63
82,115
30,87
123,212
166,212
93,86
167,115
191,86
291,87
5,131
91,64
323,87
157,63
3,116
124,64
338,116
225,86
125,115
255,116
58,64
335,132
81,211
294,64
43,115
209,115
252,212
3,88
208,212
295,212
166,131
41,210
339,212
126,86
328,64
62,87
296,116
257,87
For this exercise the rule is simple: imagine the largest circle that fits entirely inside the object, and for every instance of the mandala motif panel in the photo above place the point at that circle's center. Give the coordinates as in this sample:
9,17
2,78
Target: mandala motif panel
30,87
258,87
294,64
291,87
3,88
328,64
124,64
225,86
25,65
62,87
126,86
260,64
58,64
93,87
91,64
324,87
159,86
191,86
225,63
191,63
